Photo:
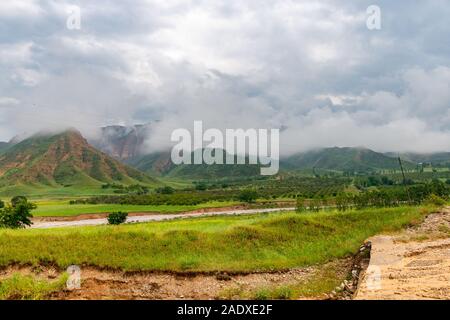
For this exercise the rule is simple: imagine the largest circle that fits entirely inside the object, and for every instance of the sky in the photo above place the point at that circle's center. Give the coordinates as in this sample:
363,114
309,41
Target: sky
311,68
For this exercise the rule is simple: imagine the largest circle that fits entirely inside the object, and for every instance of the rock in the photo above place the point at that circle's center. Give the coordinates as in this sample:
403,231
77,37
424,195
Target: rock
223,277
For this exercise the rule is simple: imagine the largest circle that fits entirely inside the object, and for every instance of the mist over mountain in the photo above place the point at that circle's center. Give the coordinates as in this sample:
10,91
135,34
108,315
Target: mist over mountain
122,142
438,158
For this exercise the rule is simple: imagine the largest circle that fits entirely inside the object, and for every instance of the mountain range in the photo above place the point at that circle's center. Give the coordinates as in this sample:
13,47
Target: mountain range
344,159
68,159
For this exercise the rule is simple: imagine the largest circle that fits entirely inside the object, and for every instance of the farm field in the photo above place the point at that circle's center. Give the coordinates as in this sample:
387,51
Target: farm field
62,208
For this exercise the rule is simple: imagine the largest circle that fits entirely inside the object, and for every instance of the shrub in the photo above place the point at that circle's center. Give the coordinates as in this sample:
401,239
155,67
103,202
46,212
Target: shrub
301,205
116,218
165,190
18,214
283,293
435,200
248,196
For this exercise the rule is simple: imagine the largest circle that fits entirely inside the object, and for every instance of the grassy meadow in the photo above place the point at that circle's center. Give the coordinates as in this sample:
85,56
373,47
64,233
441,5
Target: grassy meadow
225,243
62,208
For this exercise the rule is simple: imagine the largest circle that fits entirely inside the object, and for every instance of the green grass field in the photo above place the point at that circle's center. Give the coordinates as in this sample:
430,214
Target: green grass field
62,208
231,243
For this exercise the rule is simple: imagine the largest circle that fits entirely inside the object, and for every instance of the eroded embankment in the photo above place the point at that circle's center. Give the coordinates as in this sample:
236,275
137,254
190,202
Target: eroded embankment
104,284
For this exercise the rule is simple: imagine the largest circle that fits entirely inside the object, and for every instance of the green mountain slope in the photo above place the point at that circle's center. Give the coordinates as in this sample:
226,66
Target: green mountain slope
343,159
337,159
437,158
64,159
161,164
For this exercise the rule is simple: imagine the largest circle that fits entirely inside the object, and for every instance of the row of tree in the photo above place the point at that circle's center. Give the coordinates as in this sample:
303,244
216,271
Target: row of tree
435,191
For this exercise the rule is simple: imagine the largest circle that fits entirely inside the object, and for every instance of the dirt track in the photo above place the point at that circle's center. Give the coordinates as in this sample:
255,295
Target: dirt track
412,265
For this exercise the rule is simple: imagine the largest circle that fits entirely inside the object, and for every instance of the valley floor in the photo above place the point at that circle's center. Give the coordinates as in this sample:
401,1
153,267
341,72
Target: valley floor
260,256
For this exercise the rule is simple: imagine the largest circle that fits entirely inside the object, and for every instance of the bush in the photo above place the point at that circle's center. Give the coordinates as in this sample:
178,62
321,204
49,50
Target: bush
18,214
301,205
2,204
165,190
116,218
248,196
435,200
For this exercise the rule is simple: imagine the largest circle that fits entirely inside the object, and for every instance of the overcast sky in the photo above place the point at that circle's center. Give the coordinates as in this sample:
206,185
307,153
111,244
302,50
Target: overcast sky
312,68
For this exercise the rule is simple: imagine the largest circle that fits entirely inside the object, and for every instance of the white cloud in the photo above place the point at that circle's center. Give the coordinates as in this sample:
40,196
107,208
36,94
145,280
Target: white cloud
8,102
311,66
15,8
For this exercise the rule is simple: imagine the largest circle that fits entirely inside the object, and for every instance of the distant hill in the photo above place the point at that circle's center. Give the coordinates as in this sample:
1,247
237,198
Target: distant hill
63,159
343,159
3,145
336,159
161,164
437,158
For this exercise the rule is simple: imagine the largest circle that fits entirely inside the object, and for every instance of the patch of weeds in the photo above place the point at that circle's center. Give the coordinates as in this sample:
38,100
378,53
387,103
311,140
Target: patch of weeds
283,293
232,293
444,229
20,287
262,294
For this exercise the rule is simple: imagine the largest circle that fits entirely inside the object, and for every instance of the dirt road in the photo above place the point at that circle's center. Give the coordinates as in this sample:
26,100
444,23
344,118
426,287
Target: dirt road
412,265
151,217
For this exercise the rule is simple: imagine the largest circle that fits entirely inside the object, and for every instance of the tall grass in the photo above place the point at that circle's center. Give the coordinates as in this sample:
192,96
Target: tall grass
236,243
26,287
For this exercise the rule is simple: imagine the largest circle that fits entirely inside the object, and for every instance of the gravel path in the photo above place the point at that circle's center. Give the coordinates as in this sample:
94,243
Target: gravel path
154,217
414,265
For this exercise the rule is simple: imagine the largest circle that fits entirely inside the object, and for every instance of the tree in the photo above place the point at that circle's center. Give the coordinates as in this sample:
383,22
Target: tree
301,205
165,190
116,218
18,199
18,214
248,196
201,186
2,204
